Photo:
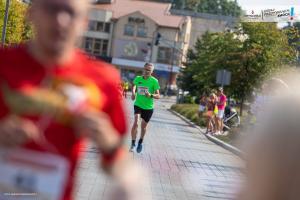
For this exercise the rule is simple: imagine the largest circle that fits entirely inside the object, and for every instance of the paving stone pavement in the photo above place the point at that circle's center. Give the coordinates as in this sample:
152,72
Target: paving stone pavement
181,162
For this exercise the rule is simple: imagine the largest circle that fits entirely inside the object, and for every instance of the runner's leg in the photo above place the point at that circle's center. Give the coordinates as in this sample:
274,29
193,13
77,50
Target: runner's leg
134,131
134,127
143,129
146,116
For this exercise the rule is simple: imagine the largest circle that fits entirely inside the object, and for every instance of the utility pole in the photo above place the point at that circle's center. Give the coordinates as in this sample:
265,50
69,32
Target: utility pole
5,22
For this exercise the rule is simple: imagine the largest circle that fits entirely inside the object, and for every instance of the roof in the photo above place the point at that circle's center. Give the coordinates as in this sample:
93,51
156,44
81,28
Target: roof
158,12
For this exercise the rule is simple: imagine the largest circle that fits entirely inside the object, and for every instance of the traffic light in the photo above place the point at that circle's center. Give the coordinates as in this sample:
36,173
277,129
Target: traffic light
157,39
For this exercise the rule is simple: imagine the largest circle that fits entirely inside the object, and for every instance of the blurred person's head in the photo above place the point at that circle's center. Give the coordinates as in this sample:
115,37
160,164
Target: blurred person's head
212,96
58,25
219,91
148,69
272,154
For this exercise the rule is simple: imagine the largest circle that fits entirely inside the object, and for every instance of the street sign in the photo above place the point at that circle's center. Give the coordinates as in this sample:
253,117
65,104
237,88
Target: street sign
223,77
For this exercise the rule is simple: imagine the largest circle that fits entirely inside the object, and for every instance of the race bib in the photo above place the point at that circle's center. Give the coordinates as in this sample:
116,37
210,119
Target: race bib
27,174
142,90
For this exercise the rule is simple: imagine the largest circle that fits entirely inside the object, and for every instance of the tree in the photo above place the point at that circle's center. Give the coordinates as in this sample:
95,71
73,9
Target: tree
17,28
209,56
252,53
263,51
293,34
222,7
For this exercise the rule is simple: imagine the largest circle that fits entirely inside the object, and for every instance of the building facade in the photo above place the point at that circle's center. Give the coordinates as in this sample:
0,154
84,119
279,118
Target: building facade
125,33
129,33
204,22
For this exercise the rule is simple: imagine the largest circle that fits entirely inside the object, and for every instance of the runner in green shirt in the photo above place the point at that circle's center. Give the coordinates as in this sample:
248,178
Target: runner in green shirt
145,89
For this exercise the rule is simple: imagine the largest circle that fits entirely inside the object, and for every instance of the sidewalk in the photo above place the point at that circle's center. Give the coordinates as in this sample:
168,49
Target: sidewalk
182,163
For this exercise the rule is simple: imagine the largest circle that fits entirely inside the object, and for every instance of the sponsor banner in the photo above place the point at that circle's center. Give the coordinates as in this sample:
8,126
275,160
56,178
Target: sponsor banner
280,14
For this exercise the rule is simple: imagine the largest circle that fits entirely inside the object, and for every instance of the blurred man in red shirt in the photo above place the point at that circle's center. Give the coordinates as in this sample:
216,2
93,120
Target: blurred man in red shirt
52,96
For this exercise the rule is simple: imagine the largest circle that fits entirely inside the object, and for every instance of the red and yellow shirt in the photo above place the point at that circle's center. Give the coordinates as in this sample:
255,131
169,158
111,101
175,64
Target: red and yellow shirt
24,84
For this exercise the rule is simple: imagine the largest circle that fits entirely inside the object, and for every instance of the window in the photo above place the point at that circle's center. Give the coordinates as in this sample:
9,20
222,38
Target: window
99,26
135,26
107,27
164,55
97,47
129,30
104,47
92,25
88,45
142,31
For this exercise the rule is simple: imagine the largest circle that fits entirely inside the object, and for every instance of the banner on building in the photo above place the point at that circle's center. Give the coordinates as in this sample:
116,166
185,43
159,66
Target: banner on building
280,14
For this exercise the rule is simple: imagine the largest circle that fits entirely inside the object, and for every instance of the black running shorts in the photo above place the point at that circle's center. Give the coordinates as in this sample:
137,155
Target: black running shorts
145,114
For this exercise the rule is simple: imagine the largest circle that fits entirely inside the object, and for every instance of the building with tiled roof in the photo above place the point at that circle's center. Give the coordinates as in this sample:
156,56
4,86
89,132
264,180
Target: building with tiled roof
125,32
158,12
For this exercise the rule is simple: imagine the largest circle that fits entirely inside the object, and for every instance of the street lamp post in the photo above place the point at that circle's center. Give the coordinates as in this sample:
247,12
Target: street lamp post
5,22
152,44
169,83
235,8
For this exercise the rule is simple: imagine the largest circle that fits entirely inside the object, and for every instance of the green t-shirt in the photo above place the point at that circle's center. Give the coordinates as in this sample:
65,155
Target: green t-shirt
142,85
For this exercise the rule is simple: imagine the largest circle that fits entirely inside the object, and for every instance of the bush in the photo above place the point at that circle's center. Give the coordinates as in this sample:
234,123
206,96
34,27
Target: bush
202,121
194,118
190,111
188,99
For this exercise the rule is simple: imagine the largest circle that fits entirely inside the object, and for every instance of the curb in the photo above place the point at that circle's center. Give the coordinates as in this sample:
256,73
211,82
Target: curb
215,140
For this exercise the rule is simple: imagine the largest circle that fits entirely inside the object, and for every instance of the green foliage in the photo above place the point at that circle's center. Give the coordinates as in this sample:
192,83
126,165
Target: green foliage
265,51
223,7
293,34
252,53
188,99
190,111
18,29
209,55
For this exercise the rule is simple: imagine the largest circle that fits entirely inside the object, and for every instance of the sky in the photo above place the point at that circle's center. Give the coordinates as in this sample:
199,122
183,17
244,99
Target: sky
245,3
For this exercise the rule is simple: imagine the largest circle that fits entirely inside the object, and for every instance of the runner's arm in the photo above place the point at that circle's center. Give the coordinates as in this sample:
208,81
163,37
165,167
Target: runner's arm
134,90
156,94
